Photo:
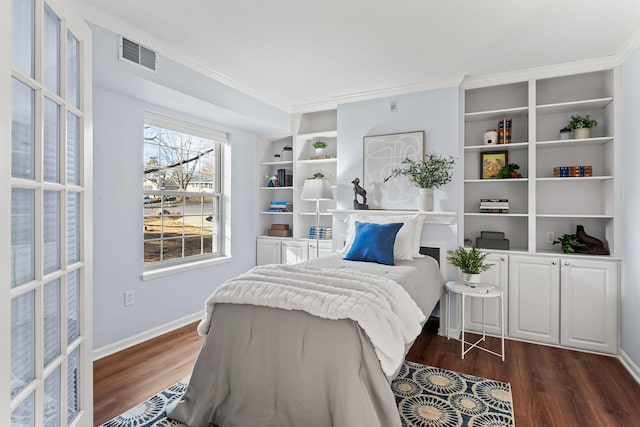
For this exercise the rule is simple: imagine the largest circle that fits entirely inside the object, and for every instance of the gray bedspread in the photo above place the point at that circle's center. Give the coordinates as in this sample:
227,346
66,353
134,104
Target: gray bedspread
268,367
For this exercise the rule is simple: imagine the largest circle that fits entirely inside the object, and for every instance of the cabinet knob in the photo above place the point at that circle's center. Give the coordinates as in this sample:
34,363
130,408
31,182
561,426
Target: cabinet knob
567,264
284,244
501,258
553,263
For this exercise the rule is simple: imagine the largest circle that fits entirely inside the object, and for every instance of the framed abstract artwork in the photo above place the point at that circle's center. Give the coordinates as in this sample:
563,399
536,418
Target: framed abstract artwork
491,162
383,153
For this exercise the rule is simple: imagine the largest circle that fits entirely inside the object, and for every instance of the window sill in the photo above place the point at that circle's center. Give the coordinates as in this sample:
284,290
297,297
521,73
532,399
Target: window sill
154,273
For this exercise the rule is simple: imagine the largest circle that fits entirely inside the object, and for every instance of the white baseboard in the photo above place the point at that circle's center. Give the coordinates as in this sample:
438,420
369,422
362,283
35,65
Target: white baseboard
110,349
633,369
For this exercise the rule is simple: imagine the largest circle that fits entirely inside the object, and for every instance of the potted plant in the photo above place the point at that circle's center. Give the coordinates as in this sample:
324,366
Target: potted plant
581,125
568,243
470,262
432,172
319,146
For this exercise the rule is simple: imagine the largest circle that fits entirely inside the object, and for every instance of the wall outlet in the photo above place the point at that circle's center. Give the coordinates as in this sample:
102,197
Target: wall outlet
129,298
551,236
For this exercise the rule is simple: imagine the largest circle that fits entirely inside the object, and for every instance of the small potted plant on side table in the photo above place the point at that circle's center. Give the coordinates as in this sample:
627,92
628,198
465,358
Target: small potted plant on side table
470,262
581,126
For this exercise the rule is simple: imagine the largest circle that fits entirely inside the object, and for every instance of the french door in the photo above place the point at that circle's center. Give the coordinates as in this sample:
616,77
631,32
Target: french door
45,219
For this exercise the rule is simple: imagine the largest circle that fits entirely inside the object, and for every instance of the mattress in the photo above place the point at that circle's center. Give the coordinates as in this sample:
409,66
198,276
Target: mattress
269,367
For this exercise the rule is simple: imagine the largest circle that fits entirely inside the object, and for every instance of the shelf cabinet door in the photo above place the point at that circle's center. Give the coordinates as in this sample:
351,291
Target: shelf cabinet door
534,298
589,295
268,251
497,276
294,252
325,249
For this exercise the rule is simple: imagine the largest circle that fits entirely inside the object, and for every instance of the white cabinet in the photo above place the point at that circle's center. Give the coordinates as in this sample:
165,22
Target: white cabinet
570,301
273,250
496,276
589,311
294,251
534,299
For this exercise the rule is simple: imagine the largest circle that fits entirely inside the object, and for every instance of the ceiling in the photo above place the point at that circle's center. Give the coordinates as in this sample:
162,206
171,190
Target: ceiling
297,53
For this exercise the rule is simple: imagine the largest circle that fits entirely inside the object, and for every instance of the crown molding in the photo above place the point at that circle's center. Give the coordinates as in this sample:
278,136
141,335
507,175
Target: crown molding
575,67
629,47
99,17
374,94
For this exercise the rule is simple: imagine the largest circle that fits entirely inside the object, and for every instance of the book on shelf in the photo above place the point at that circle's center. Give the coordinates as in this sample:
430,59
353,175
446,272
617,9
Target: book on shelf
324,233
495,210
280,206
494,205
285,177
504,131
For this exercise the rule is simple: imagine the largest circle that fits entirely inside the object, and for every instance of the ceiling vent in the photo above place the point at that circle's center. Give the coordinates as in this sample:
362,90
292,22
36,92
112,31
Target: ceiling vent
138,54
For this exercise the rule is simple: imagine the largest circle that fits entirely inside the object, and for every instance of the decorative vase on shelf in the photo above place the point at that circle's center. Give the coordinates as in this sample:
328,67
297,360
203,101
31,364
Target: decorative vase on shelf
319,151
425,199
581,133
471,279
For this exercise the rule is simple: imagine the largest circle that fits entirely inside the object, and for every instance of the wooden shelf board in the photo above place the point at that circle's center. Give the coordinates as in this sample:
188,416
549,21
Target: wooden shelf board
314,214
509,147
479,116
573,106
317,161
276,213
276,188
575,215
512,215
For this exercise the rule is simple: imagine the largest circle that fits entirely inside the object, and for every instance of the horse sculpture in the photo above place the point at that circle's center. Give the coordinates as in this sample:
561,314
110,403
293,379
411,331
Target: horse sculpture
359,191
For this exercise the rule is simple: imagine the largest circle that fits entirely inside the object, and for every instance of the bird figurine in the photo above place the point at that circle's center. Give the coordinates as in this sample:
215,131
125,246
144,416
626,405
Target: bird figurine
592,246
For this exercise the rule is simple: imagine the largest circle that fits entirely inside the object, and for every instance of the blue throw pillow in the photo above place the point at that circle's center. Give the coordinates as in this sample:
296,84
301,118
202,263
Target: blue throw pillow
374,242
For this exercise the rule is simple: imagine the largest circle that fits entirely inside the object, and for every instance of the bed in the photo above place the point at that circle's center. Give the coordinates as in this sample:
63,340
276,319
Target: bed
269,366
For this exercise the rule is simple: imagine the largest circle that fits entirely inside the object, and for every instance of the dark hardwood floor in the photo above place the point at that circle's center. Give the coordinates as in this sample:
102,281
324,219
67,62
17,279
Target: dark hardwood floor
550,386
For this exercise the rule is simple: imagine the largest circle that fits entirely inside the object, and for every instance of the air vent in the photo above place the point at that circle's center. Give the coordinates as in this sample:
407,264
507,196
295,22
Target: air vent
138,54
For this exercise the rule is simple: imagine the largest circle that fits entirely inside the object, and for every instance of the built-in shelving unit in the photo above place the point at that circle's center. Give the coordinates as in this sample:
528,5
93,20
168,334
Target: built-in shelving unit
541,204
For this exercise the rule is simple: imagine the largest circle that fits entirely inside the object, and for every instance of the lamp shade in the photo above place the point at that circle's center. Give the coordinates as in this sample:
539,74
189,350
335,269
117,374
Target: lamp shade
316,189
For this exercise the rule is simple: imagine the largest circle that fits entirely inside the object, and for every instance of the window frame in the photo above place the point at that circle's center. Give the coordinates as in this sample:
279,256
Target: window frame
164,267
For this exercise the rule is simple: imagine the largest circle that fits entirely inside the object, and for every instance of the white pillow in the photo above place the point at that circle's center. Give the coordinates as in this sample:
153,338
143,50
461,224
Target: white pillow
407,245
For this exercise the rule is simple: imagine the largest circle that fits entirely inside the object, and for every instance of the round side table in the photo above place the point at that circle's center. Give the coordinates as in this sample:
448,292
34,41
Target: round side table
475,291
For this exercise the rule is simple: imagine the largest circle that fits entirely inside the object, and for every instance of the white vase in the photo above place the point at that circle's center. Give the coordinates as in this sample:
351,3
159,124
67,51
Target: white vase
319,151
471,279
425,199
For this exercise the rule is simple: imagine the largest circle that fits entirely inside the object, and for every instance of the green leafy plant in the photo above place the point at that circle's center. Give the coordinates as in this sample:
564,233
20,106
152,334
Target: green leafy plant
469,261
319,144
509,171
432,172
578,122
317,175
568,243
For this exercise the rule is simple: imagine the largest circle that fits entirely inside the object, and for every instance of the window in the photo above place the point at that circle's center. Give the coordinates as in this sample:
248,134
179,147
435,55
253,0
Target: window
182,187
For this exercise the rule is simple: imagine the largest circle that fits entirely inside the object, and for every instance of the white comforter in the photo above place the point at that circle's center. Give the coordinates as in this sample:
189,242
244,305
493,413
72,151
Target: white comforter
382,308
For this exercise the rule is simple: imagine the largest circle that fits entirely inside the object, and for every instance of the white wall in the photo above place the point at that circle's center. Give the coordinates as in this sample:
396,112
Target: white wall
122,93
436,112
630,291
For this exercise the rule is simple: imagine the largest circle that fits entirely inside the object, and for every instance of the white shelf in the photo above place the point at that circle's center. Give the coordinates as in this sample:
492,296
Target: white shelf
573,106
317,161
575,215
428,217
276,188
325,134
496,114
494,180
314,214
276,213
574,142
513,215
279,163
498,147
576,178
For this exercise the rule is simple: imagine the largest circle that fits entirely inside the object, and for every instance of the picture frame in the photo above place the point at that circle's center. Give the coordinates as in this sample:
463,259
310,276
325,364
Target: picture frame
383,153
491,162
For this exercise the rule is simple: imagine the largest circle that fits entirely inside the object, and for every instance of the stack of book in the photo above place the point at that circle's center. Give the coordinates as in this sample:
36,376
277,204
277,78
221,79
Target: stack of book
494,206
504,131
285,178
280,206
324,233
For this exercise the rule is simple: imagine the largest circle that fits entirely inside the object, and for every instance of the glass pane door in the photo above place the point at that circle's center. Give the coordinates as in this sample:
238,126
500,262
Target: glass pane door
49,351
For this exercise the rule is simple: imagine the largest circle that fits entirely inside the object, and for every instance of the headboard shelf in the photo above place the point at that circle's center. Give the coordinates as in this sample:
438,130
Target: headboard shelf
429,217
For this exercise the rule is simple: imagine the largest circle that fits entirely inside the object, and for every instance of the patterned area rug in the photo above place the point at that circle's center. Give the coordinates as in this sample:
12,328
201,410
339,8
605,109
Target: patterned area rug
426,397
